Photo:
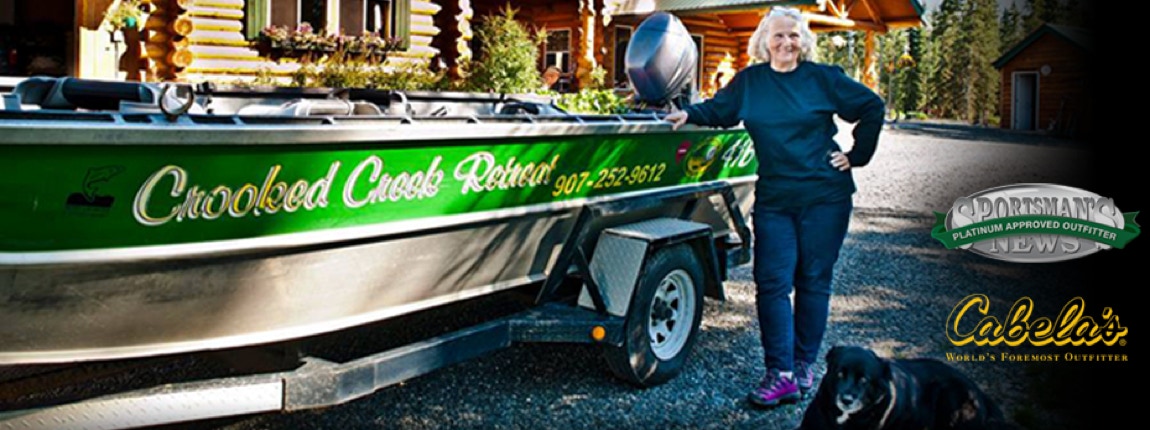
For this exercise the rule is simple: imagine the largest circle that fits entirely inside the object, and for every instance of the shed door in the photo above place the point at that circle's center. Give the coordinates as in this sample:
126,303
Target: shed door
1025,101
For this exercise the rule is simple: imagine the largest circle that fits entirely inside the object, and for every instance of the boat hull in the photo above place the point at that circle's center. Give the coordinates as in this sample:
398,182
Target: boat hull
124,309
118,248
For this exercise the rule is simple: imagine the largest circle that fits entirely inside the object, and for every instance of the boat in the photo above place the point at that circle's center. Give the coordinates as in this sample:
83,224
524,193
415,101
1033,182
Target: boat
146,219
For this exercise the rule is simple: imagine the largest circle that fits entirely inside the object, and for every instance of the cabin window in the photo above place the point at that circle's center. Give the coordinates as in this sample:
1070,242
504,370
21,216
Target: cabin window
313,12
622,38
380,16
557,50
291,13
35,37
256,16
390,18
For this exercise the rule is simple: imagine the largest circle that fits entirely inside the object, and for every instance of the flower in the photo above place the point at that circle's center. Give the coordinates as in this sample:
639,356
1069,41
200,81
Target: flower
303,42
126,14
838,41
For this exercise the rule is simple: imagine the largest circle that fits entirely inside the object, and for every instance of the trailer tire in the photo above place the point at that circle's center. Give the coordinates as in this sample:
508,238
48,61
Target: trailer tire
662,321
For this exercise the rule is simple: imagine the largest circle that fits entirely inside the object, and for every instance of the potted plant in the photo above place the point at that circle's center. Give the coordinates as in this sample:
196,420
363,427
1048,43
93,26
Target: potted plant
305,44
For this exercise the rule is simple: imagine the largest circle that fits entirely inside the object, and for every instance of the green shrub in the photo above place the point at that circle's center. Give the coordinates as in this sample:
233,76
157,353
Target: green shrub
592,101
337,74
594,98
508,61
337,71
405,76
302,76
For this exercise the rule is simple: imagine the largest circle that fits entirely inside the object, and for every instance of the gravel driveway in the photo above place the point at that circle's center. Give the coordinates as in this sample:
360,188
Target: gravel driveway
894,290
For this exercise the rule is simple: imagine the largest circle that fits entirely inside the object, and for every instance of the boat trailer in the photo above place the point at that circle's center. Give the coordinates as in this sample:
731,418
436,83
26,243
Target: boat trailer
611,281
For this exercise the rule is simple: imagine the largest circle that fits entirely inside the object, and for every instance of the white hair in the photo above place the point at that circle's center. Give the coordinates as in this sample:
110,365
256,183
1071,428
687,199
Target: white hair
758,47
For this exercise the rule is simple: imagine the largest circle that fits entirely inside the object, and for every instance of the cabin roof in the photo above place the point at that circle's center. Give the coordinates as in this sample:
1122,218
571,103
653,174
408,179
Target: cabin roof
877,13
638,7
1076,36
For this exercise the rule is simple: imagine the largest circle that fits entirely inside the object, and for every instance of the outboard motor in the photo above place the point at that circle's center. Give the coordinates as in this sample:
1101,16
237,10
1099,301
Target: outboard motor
661,59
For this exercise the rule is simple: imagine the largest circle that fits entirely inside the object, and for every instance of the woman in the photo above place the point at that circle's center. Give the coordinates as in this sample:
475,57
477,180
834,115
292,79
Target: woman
803,194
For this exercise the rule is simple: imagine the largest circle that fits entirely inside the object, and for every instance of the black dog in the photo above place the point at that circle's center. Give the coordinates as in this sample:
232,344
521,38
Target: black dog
864,391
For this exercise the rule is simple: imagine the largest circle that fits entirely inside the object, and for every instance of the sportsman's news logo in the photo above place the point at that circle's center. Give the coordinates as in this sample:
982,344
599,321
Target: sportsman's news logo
1035,223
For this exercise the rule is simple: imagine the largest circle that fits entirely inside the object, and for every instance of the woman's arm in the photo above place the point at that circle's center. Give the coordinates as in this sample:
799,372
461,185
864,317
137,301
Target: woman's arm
721,110
856,103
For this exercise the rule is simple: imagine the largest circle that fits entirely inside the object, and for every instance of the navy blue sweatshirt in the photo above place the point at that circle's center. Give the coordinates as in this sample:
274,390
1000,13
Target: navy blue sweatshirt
790,118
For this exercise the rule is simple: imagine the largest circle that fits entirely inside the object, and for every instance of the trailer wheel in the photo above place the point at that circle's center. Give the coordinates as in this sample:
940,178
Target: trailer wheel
662,321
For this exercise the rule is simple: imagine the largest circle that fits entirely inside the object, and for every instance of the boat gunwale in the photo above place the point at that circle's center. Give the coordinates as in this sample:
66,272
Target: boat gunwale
315,130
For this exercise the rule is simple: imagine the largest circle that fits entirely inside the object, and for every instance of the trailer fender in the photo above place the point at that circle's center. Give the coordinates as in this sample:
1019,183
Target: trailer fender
622,253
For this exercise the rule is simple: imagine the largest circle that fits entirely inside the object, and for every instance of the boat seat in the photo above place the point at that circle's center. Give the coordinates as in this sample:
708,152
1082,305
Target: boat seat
72,93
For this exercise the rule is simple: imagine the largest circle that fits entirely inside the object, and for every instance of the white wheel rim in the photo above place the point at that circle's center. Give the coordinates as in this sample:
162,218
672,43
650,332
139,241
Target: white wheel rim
672,314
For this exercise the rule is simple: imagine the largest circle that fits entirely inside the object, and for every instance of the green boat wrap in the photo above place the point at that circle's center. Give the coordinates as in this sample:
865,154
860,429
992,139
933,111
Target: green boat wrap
66,197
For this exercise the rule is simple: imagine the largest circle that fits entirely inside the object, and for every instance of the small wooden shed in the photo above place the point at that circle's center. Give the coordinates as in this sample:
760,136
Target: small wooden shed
1045,82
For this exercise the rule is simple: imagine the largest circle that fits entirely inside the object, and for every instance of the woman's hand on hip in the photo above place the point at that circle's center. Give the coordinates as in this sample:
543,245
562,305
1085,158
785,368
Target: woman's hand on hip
677,119
840,161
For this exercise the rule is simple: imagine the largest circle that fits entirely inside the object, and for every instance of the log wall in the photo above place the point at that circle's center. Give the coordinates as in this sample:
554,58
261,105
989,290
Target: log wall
204,39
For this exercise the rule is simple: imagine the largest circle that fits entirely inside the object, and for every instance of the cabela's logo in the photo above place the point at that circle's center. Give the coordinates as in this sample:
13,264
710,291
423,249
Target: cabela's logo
1072,326
1034,223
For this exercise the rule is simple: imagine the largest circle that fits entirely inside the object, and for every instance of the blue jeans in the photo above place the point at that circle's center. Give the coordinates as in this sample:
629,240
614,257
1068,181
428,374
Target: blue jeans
796,248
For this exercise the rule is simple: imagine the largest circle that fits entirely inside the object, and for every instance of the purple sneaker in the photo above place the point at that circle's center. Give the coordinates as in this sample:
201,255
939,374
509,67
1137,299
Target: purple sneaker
804,376
774,390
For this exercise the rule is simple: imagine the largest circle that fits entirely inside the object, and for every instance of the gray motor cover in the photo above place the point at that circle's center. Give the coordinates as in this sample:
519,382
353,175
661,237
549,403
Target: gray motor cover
661,58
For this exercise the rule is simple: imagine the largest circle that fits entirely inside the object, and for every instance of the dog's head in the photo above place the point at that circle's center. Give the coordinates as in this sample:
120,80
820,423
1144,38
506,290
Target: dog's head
857,378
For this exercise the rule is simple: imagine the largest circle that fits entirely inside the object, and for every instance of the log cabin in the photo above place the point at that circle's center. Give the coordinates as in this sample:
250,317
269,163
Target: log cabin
584,34
209,40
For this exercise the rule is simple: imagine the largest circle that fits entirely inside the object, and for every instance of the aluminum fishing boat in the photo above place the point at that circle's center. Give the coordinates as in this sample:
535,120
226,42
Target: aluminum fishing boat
142,219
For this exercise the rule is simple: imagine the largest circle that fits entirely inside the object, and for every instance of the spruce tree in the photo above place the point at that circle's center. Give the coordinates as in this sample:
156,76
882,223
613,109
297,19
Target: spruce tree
1054,11
1075,13
1041,11
845,49
945,83
891,47
963,62
980,24
912,79
1010,28
926,66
